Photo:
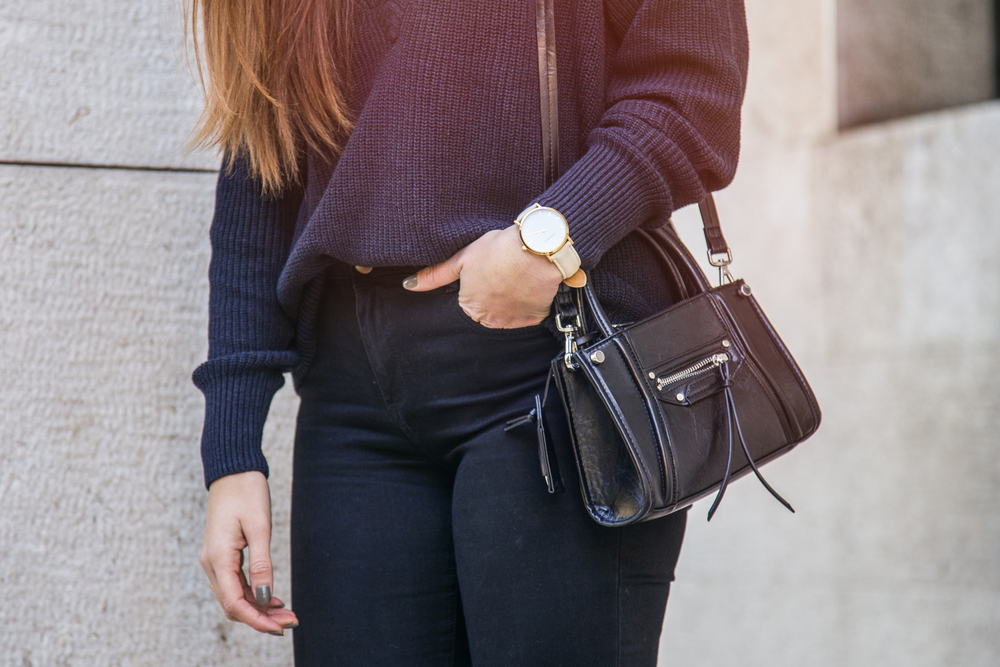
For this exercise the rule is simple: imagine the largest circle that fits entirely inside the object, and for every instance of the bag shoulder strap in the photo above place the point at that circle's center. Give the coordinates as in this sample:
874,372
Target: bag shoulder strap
714,239
545,28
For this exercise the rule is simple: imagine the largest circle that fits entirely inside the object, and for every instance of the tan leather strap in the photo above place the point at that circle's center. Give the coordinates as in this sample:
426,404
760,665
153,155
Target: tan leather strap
566,260
545,28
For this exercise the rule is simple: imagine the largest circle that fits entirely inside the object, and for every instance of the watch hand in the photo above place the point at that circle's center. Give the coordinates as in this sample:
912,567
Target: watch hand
537,233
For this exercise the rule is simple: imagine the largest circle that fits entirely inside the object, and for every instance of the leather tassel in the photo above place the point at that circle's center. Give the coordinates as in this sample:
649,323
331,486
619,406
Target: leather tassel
729,458
546,452
753,465
519,421
732,417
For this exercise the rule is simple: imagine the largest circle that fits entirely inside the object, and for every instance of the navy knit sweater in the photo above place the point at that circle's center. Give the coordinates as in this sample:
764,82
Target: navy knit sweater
447,146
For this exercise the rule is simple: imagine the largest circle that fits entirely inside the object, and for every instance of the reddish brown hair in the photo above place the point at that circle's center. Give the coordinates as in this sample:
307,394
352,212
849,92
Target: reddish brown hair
277,80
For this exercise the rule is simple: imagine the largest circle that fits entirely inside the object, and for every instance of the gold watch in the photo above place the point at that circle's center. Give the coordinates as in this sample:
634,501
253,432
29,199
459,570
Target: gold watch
544,231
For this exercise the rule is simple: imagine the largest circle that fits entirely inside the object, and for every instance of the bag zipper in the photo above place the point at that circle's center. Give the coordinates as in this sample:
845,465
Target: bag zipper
707,363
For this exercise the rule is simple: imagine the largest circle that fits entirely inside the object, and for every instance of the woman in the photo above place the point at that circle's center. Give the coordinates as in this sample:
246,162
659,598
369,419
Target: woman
403,135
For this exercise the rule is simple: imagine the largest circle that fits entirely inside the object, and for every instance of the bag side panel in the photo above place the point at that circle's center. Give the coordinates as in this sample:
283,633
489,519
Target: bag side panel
613,491
614,382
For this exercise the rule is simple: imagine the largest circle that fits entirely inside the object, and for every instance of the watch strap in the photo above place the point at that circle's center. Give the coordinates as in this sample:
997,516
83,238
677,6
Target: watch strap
578,279
566,260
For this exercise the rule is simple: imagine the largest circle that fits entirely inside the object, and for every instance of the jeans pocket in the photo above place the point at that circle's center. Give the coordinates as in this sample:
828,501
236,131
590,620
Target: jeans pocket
473,325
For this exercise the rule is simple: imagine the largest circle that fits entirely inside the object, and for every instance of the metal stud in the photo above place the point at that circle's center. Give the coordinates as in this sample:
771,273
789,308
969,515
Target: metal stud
725,343
745,290
680,397
652,376
597,357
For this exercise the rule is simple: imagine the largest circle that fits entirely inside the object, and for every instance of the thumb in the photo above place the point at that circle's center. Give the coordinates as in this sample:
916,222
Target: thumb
258,536
436,276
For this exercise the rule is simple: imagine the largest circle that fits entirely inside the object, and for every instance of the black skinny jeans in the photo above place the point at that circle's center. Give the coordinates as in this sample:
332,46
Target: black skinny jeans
422,532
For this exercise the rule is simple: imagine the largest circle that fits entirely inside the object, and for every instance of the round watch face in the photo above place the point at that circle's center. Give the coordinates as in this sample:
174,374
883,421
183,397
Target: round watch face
544,230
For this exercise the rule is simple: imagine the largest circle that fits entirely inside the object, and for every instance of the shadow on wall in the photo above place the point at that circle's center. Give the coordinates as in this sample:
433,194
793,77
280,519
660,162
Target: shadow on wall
901,57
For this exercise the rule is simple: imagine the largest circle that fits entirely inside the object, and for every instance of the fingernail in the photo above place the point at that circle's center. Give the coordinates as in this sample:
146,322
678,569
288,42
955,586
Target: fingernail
263,594
291,626
410,282
275,633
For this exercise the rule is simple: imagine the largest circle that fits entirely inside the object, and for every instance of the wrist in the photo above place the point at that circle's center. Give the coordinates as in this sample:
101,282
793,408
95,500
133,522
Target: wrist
237,482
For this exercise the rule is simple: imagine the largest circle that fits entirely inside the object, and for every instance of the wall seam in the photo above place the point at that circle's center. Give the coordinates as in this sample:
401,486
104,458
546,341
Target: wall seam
118,167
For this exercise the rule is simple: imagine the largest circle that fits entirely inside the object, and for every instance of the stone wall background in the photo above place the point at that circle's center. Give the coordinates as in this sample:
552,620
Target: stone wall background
872,250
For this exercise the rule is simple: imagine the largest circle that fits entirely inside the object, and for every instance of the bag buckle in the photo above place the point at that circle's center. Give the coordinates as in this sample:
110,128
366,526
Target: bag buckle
570,333
722,263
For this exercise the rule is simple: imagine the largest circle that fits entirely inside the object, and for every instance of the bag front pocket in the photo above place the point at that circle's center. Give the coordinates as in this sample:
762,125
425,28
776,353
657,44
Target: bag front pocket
689,379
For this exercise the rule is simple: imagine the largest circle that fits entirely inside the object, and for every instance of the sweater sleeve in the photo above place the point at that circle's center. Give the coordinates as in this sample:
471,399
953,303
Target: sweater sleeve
671,128
249,334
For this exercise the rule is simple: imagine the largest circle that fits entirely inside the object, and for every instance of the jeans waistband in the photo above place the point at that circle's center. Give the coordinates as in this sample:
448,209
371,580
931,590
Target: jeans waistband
380,274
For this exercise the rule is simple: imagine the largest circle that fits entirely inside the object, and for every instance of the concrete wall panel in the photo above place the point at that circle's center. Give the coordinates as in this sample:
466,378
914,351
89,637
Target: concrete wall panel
891,559
104,286
96,82
925,237
791,91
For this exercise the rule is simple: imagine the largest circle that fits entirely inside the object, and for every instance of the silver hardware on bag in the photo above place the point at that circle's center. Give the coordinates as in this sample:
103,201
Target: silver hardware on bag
713,361
570,332
597,357
725,276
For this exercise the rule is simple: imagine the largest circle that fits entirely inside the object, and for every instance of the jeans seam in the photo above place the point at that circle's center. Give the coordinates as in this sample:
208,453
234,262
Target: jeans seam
618,602
392,408
454,627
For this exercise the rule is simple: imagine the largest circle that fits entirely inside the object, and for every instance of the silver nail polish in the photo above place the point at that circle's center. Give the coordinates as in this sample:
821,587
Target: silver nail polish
410,282
276,634
263,594
291,626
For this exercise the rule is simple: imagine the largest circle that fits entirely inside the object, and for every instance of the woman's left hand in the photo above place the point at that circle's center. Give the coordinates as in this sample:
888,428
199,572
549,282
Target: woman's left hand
502,285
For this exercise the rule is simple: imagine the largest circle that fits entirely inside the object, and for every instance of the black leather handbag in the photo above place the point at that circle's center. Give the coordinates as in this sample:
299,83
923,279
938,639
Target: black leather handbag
656,408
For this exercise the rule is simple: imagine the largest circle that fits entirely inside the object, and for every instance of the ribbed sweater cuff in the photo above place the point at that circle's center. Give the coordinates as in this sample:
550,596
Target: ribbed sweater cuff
606,194
236,407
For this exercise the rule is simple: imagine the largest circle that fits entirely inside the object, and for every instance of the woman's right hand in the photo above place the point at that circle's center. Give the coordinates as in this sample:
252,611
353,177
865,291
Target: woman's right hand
239,516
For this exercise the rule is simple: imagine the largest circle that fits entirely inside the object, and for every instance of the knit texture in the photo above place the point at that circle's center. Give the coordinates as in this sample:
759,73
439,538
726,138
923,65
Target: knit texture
447,146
